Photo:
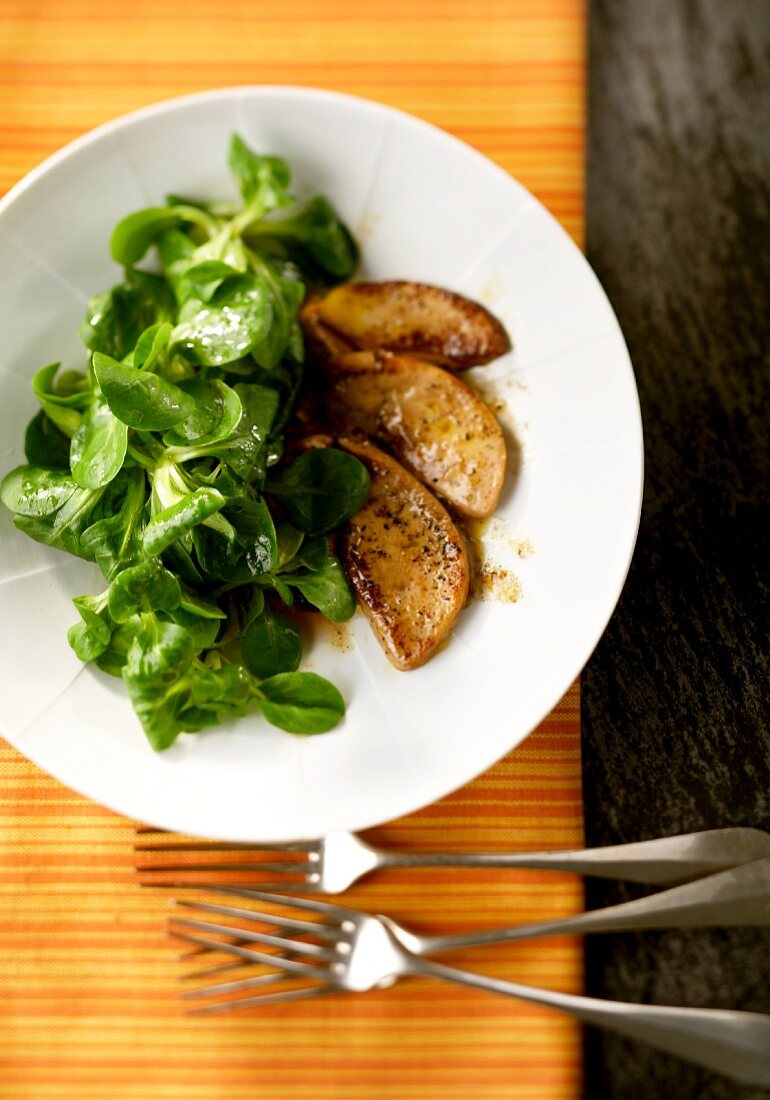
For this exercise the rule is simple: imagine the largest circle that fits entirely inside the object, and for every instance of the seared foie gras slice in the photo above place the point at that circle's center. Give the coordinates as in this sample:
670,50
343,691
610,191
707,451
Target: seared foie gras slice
405,559
321,342
428,321
429,419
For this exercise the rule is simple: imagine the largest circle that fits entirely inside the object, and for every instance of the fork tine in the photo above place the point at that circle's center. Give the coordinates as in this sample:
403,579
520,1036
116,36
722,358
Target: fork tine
338,912
210,971
271,927
221,968
236,964
266,887
215,846
302,969
318,927
267,998
196,952
233,987
298,947
297,868
262,981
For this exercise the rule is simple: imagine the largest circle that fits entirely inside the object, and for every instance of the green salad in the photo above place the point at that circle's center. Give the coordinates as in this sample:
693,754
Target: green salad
163,461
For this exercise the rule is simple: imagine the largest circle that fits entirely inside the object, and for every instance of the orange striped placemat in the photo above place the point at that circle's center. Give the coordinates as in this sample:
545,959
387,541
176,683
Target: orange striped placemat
87,977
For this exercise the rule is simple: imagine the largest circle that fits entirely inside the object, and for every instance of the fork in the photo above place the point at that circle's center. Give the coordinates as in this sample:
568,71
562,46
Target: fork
333,863
359,951
738,896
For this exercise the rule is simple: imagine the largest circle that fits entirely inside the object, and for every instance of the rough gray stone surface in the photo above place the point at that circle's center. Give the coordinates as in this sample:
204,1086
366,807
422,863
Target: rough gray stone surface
676,706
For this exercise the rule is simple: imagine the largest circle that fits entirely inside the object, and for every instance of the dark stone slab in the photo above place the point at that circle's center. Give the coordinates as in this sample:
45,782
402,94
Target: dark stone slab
676,707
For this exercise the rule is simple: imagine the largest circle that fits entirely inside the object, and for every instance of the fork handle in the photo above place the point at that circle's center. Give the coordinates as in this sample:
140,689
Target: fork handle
664,860
732,1042
738,896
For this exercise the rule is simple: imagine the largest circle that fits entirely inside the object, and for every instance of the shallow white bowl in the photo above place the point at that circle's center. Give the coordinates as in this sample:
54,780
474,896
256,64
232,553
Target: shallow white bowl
425,207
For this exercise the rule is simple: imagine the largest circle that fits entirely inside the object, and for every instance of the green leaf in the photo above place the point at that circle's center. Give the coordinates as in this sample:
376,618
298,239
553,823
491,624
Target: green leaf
178,559
115,320
312,554
140,399
90,637
143,587
66,420
271,644
133,235
321,489
170,698
286,293
243,448
300,702
62,398
45,444
98,447
174,246
262,180
250,603
33,491
317,234
256,533
217,209
327,589
227,688
202,630
216,558
154,289
172,523
199,273
282,589
229,326
114,541
213,694
44,530
289,542
170,483
154,675
93,612
86,644
215,416
160,651
151,345
49,507
74,393
113,658
196,605
72,382
286,378
203,279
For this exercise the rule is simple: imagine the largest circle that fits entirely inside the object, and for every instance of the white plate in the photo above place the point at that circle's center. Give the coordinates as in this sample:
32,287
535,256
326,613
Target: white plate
426,207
